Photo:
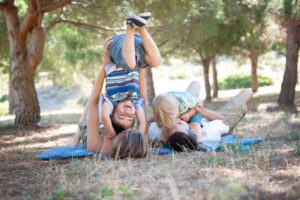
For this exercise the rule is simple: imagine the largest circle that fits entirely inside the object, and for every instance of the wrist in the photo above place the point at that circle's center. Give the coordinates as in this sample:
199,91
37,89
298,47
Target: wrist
130,28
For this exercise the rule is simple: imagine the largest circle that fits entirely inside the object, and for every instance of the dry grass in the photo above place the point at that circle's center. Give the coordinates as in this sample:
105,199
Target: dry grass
268,171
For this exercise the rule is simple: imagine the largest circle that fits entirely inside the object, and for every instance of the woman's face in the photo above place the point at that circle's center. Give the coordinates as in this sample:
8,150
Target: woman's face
124,114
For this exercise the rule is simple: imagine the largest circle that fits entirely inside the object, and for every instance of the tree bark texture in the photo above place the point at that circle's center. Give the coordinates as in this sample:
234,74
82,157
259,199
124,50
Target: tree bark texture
287,93
24,61
11,95
206,63
254,79
215,78
150,85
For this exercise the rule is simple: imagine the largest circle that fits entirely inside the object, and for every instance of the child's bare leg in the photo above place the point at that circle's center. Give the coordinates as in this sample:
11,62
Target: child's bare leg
128,49
152,57
194,89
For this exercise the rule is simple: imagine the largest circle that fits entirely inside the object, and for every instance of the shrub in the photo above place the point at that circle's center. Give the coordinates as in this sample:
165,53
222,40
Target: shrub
3,107
243,81
179,75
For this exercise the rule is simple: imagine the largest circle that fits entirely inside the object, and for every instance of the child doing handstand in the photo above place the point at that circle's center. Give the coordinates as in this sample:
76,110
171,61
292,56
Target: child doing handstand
124,58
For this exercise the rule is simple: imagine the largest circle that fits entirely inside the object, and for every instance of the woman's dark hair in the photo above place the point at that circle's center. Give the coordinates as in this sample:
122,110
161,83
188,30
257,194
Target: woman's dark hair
181,141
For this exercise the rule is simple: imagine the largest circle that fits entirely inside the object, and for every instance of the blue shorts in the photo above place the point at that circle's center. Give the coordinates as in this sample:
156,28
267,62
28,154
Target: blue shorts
196,118
115,51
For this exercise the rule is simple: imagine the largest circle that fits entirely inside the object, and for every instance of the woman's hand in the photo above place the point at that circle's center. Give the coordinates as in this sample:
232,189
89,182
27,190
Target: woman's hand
105,53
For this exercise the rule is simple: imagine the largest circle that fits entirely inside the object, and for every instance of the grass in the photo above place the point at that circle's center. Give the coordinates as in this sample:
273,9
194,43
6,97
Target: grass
269,170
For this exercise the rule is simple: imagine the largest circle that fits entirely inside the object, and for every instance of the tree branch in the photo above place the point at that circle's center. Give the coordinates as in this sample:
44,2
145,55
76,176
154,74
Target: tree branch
27,24
39,13
171,50
54,6
81,25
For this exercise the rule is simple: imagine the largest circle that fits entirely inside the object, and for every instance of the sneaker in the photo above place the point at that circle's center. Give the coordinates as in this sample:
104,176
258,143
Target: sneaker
145,15
136,21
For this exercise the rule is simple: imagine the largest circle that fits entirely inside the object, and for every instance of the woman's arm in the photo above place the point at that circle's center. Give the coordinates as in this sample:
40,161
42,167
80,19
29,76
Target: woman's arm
209,114
93,137
142,123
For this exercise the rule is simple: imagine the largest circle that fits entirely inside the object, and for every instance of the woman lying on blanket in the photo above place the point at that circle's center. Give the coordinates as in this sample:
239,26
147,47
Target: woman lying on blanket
124,57
178,115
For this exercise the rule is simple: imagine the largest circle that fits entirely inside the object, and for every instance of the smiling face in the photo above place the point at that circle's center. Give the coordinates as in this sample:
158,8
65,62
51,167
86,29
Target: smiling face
124,114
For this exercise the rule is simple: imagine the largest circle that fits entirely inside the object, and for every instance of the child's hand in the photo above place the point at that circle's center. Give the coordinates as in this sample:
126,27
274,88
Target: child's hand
185,117
199,106
105,53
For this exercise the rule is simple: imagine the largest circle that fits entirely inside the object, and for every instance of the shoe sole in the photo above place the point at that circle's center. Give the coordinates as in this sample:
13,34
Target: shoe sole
139,19
145,15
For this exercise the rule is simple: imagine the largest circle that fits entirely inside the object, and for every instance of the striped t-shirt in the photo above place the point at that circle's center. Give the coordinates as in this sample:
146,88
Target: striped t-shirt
121,82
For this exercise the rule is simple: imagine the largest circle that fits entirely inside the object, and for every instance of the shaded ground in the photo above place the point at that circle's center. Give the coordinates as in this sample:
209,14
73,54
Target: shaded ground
271,170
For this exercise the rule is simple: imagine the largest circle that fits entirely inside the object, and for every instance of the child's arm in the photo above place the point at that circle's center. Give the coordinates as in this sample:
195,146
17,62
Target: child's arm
105,115
186,116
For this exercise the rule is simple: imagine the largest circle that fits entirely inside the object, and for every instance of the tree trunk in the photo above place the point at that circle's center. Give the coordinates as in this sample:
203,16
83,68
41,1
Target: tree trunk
23,64
287,93
150,85
206,63
254,61
215,78
27,106
11,96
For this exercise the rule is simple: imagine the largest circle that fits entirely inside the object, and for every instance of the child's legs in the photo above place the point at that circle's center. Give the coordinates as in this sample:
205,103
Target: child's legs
126,50
115,50
152,55
194,89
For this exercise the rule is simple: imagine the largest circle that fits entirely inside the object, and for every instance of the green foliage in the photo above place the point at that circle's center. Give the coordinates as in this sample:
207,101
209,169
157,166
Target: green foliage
4,48
125,191
178,75
217,161
243,81
229,190
60,194
106,192
3,107
296,152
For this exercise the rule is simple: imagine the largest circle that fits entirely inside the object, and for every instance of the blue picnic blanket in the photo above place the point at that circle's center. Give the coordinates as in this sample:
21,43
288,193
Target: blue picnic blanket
209,146
68,152
81,151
